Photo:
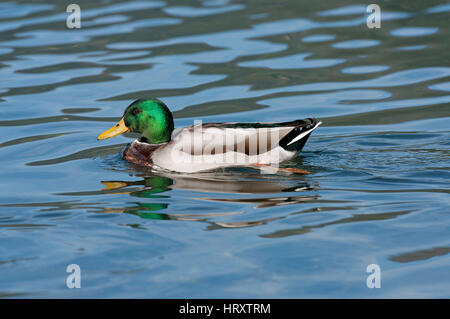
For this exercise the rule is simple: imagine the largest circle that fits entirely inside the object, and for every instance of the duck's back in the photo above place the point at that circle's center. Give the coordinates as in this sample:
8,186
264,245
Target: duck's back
212,145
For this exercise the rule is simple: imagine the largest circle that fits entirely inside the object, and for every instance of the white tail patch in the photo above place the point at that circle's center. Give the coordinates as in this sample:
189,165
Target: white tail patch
300,136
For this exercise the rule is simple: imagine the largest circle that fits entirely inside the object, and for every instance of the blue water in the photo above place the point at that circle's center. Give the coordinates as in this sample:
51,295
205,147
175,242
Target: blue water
378,188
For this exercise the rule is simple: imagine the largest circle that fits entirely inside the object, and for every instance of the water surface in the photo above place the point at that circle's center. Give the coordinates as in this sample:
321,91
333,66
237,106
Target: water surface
378,188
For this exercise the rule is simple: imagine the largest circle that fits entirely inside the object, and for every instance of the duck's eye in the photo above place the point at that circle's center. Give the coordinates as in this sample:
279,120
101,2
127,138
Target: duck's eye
136,111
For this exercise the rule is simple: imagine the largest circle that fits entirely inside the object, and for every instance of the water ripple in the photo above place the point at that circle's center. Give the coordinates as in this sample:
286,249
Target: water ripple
413,31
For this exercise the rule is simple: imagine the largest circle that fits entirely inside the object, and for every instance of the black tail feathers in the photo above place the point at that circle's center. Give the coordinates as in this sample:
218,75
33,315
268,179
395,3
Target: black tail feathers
296,139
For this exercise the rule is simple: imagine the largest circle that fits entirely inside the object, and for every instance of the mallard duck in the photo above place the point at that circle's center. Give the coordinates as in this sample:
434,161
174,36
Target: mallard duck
208,146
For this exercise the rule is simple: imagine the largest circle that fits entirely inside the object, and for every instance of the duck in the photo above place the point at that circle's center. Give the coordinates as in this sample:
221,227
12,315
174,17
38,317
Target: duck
207,146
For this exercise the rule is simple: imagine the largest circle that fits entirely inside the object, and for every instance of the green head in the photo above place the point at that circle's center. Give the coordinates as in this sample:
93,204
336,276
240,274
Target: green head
152,118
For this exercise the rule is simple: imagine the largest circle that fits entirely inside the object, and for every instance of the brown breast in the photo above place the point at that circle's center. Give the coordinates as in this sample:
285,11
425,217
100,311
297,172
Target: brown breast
140,153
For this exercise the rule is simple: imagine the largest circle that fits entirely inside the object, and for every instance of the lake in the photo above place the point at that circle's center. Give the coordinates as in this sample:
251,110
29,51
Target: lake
378,188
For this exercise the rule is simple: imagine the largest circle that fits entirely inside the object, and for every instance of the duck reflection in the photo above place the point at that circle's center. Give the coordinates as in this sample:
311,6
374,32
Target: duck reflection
158,187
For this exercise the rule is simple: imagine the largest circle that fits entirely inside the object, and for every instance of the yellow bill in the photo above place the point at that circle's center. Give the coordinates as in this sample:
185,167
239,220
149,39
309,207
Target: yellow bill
117,129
